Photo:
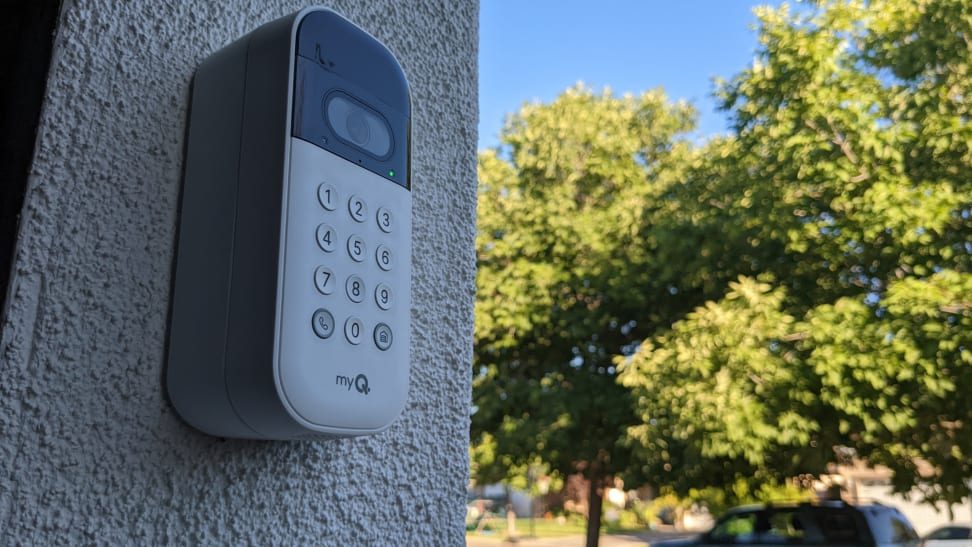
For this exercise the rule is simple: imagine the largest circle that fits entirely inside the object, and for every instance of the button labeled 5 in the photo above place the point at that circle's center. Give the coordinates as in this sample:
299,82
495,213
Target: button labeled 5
356,248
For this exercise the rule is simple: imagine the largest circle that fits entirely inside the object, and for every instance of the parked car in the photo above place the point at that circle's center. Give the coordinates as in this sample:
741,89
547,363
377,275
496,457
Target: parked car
823,523
949,535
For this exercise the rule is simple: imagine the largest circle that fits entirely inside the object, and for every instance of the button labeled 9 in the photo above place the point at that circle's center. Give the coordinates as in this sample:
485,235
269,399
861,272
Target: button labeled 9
383,296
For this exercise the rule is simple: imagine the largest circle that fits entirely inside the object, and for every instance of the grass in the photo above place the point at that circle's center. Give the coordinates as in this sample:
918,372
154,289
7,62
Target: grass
546,528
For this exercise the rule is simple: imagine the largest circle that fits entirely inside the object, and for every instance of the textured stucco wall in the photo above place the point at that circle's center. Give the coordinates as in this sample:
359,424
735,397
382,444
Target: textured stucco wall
90,451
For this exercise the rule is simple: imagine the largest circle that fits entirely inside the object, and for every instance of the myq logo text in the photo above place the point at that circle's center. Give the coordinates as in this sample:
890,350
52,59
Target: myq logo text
359,382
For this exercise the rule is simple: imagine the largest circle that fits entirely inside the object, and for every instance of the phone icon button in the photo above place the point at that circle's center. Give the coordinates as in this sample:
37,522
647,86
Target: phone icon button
323,323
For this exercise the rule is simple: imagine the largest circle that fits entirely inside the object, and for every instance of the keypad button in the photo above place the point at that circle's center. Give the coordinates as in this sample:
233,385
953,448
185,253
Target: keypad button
353,330
383,336
328,196
357,248
326,237
324,280
323,323
385,220
383,296
384,257
358,208
355,288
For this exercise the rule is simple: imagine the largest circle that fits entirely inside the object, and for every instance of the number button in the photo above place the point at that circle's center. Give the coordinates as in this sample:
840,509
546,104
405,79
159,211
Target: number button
323,323
384,257
358,208
324,279
355,288
357,248
383,336
327,195
384,220
383,296
326,237
353,328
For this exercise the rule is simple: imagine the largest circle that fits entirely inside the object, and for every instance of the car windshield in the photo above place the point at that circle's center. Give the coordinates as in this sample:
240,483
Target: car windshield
803,525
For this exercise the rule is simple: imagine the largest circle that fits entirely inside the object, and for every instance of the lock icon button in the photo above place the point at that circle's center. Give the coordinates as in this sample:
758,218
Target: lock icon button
383,336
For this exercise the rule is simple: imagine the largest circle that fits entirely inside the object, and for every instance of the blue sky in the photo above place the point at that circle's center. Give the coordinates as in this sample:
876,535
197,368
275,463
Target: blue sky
535,49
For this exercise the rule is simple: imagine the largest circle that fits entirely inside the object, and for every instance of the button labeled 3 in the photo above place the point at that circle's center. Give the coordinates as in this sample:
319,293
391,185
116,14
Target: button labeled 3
384,220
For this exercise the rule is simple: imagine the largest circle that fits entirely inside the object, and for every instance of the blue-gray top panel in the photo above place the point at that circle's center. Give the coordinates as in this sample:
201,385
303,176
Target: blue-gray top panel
335,55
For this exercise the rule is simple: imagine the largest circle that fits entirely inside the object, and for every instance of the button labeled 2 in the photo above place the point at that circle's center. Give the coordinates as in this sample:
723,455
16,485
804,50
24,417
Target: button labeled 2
358,208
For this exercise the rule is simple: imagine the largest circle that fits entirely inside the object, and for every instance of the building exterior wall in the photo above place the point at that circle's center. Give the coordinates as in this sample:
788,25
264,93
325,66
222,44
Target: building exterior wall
90,450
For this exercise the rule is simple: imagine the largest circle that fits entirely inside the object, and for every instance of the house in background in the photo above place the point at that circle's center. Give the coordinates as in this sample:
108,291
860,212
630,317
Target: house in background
862,484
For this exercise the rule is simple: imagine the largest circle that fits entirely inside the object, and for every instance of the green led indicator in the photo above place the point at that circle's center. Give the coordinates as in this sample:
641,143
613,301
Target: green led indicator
391,172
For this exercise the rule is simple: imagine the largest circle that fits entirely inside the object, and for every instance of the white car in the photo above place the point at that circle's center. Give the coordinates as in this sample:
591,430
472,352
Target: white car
949,535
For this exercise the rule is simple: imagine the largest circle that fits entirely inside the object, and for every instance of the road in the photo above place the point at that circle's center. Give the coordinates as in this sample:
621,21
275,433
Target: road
612,540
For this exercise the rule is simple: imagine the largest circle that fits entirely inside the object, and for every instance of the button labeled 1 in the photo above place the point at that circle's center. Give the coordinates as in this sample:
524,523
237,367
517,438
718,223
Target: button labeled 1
327,195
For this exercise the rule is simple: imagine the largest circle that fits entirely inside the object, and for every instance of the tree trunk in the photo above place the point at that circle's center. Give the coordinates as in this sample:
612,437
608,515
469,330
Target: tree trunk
594,502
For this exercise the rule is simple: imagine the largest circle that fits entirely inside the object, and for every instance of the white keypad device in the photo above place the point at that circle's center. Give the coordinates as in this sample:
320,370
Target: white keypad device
290,315
359,286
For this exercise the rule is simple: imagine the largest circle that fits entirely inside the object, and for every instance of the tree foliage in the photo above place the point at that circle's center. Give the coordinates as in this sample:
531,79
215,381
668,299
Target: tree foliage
701,314
719,399
564,277
845,190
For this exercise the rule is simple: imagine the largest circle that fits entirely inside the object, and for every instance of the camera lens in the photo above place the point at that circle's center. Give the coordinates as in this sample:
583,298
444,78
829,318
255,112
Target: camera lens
358,128
358,125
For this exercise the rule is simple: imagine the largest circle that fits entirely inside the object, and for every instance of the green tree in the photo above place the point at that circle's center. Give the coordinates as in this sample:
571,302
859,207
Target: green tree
565,274
845,191
719,398
898,379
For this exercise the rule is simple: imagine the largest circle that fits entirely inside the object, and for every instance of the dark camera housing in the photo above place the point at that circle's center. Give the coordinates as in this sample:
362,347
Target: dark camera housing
351,101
